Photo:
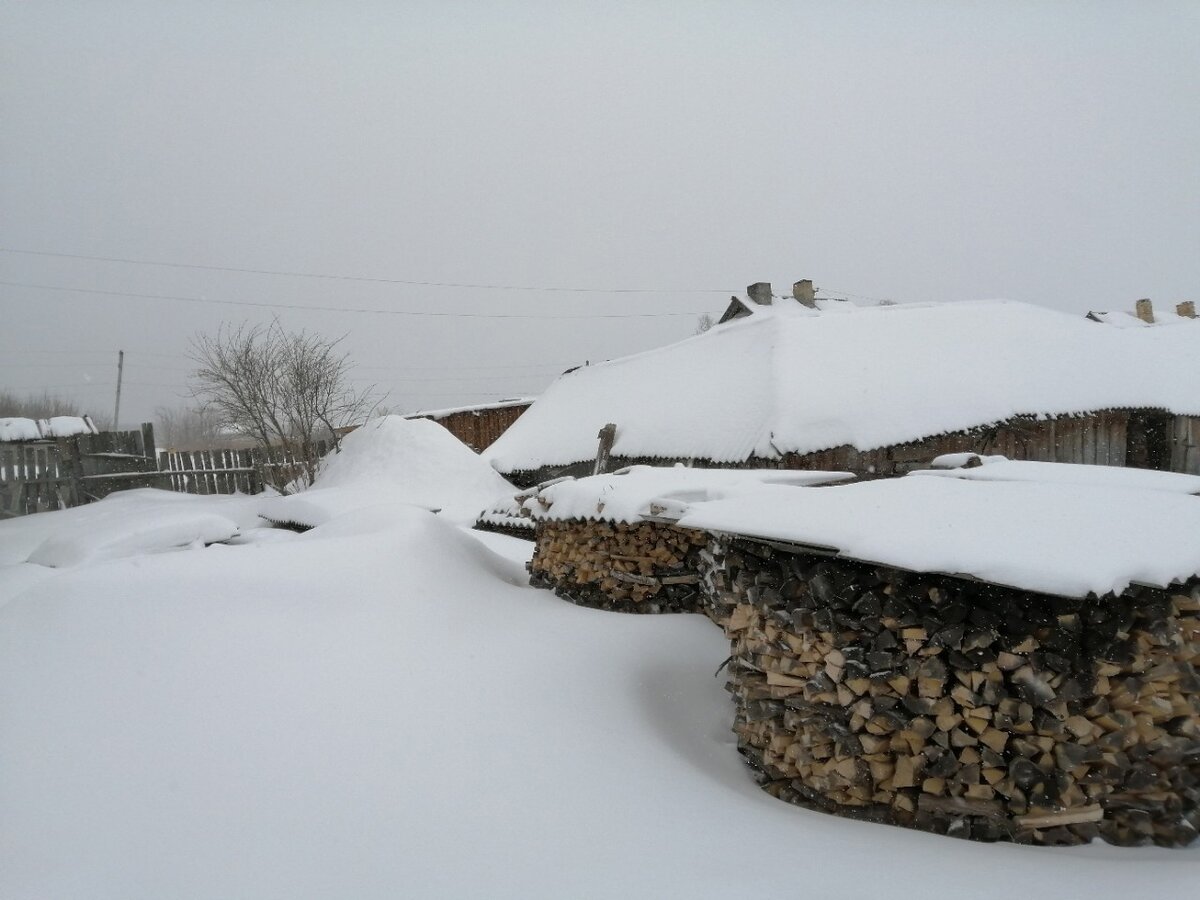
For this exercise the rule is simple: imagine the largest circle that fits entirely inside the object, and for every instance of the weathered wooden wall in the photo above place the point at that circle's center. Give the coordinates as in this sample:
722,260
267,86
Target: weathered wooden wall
1106,438
478,428
1185,444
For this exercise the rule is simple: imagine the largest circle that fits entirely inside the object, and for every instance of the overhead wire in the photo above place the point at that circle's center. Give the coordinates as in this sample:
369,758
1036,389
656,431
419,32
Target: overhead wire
343,309
362,278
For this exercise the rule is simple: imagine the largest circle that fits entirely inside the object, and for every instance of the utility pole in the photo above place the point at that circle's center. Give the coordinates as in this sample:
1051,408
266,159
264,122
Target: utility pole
120,371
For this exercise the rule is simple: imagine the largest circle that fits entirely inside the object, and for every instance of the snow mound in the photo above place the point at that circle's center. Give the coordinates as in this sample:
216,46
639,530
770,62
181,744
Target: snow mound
318,506
18,429
973,467
118,535
413,461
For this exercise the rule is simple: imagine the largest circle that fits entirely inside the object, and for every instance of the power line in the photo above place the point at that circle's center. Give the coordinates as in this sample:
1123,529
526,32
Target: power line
188,368
339,309
363,278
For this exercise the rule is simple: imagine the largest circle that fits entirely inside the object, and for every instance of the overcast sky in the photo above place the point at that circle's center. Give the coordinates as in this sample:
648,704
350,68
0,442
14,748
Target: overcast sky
1044,151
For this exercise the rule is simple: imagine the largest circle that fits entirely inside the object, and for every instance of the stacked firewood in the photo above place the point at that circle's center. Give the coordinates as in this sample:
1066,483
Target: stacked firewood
962,708
635,567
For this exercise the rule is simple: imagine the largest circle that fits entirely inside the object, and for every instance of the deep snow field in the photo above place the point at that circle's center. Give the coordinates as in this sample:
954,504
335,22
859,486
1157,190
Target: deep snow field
381,707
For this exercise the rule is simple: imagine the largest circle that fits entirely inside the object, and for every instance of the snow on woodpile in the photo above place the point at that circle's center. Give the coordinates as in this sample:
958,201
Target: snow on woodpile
973,467
625,496
395,460
1064,539
593,548
507,515
791,379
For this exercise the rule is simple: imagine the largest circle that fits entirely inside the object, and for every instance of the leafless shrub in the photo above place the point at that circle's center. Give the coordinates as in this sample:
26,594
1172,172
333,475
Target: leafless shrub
280,388
186,428
43,406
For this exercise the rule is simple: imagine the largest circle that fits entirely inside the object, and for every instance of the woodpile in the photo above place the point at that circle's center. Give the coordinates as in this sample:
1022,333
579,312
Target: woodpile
640,567
960,707
507,516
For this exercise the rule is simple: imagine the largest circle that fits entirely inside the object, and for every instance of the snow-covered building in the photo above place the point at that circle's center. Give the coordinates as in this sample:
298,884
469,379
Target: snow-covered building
821,384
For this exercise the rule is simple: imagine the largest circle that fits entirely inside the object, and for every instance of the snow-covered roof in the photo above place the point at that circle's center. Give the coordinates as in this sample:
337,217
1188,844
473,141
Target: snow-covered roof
792,379
639,491
475,407
974,467
1064,539
21,429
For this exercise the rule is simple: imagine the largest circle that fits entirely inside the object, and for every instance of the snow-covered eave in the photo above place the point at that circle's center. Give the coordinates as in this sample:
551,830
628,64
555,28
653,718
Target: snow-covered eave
476,407
777,448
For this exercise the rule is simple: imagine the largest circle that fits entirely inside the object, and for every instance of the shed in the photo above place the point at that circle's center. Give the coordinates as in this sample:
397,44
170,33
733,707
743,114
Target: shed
818,384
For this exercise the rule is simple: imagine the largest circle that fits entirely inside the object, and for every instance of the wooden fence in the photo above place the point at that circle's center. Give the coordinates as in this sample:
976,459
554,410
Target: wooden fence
232,471
52,474
36,476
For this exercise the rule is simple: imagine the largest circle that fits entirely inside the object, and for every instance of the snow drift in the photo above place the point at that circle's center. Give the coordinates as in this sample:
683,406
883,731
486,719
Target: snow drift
394,460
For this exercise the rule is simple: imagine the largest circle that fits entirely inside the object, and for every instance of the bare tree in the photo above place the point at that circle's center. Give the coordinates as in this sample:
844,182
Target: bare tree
186,428
43,406
280,388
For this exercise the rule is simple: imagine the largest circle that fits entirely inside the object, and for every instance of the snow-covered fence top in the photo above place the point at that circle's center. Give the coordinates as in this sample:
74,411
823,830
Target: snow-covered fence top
1052,538
788,379
632,494
22,429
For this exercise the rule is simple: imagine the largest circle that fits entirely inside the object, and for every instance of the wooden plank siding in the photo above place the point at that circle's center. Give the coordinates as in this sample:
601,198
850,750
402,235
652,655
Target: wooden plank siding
478,428
1185,445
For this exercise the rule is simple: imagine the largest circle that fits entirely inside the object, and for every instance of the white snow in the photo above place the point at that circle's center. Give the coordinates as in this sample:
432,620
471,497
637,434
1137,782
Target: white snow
395,460
476,407
626,495
379,708
791,379
125,523
1054,538
66,426
999,468
123,536
509,511
19,429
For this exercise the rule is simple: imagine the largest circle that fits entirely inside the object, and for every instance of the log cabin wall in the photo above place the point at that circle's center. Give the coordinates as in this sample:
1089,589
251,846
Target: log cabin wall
962,708
478,428
642,567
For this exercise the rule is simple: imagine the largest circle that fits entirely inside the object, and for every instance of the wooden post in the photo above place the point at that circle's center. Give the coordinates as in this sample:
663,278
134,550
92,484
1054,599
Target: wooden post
120,372
148,450
607,435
